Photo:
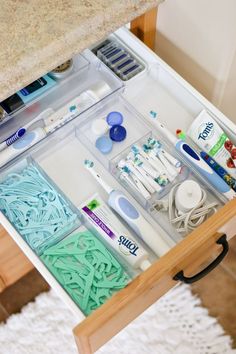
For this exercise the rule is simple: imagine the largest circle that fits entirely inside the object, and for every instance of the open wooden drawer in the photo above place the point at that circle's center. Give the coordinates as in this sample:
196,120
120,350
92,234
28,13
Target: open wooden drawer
61,156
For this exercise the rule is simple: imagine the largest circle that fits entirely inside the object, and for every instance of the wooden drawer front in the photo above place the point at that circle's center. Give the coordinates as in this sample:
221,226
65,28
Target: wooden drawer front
13,263
148,287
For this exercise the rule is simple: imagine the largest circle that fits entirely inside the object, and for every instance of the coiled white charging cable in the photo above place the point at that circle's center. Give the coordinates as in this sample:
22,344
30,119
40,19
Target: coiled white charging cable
186,206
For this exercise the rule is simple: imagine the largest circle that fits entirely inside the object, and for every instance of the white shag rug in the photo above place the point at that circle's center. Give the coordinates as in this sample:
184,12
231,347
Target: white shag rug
176,324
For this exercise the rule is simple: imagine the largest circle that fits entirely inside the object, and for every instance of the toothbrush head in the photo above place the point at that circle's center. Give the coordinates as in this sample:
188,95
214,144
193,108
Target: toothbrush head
135,149
137,161
126,170
121,164
130,156
88,164
151,142
154,144
146,148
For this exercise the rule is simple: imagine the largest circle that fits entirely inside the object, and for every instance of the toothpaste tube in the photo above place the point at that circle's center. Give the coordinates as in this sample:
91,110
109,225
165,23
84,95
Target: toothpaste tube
209,136
106,223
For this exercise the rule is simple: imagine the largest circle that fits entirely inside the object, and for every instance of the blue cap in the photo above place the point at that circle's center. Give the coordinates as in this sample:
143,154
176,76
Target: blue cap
104,144
117,133
114,118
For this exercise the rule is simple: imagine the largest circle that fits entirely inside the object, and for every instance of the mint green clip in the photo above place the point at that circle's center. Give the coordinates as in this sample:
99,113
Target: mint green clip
85,269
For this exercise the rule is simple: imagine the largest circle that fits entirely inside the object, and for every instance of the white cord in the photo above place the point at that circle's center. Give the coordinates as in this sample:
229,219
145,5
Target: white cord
185,222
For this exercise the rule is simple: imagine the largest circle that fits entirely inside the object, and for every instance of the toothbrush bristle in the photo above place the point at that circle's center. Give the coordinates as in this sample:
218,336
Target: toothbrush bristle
146,148
125,169
88,163
135,149
152,142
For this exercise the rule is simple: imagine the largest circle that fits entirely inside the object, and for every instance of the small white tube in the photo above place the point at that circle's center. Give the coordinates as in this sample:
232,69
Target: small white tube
108,226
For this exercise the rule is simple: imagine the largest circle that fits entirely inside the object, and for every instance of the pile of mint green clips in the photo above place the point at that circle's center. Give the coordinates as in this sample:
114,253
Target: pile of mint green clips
85,269
44,218
36,209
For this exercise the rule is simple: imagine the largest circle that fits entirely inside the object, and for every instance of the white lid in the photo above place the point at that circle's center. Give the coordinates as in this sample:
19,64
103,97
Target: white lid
188,196
145,264
99,127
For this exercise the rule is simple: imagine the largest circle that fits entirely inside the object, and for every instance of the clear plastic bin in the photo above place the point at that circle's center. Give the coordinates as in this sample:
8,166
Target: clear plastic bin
88,71
35,206
138,133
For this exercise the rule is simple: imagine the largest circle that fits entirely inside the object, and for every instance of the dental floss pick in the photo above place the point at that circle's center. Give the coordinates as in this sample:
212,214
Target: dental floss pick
196,161
121,204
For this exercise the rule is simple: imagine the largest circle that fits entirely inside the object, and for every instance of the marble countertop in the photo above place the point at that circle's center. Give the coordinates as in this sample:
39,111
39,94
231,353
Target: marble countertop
38,35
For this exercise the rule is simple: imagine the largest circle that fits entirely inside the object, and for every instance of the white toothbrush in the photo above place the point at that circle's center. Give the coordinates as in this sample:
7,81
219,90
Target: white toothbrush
121,204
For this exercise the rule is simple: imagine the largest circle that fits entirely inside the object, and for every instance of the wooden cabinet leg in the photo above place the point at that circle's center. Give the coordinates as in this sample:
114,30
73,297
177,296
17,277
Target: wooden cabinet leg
144,27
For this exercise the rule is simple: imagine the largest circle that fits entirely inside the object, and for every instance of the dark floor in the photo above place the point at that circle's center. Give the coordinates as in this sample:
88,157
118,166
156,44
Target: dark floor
218,292
19,294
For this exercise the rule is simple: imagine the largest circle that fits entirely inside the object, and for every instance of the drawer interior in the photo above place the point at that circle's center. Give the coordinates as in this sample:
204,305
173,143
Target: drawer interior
60,157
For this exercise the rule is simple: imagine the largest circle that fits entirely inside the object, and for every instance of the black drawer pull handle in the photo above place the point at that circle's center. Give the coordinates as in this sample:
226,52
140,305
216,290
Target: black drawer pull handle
181,277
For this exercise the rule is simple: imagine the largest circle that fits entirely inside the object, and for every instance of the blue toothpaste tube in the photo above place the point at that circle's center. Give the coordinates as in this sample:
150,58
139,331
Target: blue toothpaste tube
27,94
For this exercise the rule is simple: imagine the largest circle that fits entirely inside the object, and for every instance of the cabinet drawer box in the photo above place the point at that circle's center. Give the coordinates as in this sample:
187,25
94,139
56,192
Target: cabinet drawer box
61,155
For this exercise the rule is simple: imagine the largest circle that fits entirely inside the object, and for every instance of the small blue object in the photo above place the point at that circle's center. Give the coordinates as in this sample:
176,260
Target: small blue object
104,144
115,118
117,133
72,108
153,114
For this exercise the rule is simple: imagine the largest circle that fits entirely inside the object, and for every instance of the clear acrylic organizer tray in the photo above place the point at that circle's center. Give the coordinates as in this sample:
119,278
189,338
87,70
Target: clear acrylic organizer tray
138,132
87,72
